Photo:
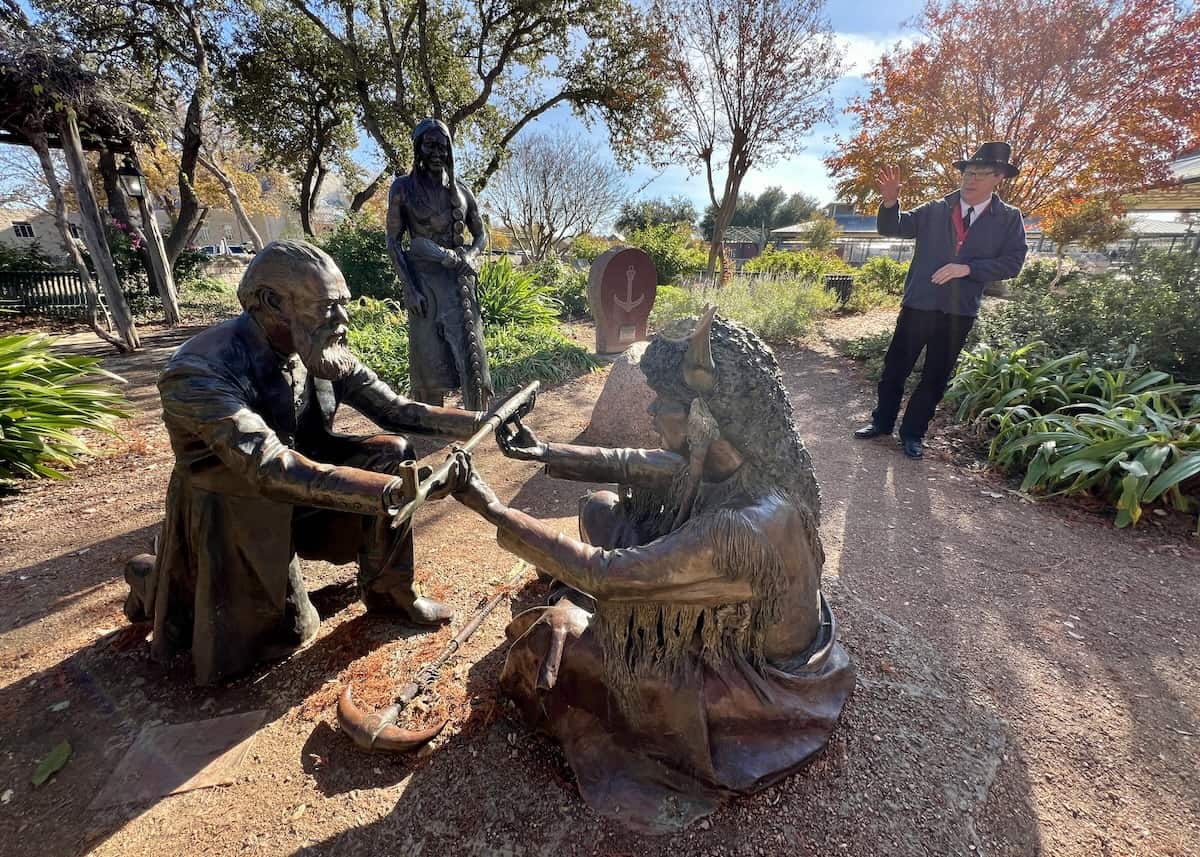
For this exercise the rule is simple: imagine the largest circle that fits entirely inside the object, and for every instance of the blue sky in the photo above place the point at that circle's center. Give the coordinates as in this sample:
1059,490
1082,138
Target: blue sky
865,28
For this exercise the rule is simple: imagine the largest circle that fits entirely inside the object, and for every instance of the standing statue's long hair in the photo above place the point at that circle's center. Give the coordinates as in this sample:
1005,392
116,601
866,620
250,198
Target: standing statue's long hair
734,375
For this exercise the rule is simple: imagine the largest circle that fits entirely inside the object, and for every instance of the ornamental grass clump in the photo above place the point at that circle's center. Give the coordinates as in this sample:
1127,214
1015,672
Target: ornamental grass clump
1129,436
779,308
45,399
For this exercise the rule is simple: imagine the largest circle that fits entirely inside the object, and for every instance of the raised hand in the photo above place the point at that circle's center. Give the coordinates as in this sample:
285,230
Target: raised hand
888,182
516,440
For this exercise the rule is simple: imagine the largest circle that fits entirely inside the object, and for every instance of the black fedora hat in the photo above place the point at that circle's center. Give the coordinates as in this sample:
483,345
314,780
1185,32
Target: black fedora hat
991,155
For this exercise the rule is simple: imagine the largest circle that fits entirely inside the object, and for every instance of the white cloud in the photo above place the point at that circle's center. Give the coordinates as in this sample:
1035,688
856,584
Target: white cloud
862,50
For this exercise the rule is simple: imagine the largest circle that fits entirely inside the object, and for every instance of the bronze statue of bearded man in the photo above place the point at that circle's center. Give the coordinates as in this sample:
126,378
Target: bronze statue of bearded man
263,479
687,653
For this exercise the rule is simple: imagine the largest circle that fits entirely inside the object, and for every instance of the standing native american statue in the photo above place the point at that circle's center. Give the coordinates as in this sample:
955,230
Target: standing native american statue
687,652
439,273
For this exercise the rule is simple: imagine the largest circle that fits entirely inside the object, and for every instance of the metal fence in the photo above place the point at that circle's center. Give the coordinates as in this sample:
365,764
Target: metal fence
61,294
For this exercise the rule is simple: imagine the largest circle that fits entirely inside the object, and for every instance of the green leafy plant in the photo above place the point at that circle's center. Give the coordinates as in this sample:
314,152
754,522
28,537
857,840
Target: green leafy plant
808,265
27,258
517,353
360,249
45,398
379,336
1153,306
777,308
509,295
669,246
1072,427
588,247
520,354
883,274
565,285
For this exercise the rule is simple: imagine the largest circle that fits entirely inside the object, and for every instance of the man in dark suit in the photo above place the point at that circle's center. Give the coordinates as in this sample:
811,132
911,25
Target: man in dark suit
261,478
964,242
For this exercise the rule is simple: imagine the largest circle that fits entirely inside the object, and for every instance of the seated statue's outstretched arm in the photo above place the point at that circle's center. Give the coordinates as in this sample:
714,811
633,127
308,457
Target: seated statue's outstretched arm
642,467
680,567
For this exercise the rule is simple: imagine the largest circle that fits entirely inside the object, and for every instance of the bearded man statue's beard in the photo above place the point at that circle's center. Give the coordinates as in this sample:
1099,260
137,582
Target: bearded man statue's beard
324,351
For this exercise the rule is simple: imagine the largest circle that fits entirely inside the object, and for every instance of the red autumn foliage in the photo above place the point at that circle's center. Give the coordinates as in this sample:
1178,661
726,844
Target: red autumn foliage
1096,97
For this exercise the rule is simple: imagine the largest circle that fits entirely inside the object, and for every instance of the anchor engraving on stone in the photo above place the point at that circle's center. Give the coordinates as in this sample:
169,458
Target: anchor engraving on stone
629,303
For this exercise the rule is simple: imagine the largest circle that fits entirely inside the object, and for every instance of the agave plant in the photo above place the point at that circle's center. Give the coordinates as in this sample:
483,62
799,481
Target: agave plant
45,398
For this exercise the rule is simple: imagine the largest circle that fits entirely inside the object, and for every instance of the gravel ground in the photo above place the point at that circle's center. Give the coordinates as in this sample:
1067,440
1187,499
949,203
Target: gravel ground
1028,674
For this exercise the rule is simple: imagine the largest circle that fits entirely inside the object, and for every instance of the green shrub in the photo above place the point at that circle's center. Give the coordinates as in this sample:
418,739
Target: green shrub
360,249
44,398
379,336
867,295
509,295
565,285
1153,307
189,265
27,258
517,353
807,265
668,246
1073,427
588,247
779,309
206,299
883,274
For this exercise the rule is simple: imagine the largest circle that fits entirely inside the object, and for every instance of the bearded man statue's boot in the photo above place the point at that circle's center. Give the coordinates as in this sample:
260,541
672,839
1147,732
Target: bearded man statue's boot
386,576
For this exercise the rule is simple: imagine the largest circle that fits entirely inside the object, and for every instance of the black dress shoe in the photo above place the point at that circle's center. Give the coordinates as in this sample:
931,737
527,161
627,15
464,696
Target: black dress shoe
913,447
869,431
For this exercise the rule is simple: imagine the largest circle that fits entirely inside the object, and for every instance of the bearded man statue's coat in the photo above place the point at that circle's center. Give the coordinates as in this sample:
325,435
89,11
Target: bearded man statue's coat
439,272
261,478
687,653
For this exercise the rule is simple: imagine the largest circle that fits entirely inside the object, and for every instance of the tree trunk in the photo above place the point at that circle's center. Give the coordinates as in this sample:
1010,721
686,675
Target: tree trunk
191,238
308,192
40,145
157,254
720,227
189,203
235,200
93,231
118,204
361,198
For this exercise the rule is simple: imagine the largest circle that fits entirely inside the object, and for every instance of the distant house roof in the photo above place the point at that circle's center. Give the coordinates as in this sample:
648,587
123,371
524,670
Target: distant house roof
743,235
850,224
1182,197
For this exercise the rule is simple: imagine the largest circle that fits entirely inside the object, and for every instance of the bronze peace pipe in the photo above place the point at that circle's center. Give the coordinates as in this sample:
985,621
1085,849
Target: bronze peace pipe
520,402
377,730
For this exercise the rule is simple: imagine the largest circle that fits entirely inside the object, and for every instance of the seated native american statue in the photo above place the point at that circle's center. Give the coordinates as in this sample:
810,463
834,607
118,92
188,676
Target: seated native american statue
687,652
261,478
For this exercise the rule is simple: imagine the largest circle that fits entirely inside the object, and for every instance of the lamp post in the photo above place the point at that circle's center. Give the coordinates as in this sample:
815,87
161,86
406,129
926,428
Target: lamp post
133,182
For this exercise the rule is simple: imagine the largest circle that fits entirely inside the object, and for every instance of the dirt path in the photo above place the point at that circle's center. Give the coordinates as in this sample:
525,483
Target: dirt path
1028,675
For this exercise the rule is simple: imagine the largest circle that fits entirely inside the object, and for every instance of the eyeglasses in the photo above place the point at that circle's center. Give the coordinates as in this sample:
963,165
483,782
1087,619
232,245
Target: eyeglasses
978,174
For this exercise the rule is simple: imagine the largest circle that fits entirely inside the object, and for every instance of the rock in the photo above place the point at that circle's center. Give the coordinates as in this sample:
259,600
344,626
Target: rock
619,417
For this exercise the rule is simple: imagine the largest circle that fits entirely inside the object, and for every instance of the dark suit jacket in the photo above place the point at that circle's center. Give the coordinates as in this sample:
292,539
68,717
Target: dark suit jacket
994,248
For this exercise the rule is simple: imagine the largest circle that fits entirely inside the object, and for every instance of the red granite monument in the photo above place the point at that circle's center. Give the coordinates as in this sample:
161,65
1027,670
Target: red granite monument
621,289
